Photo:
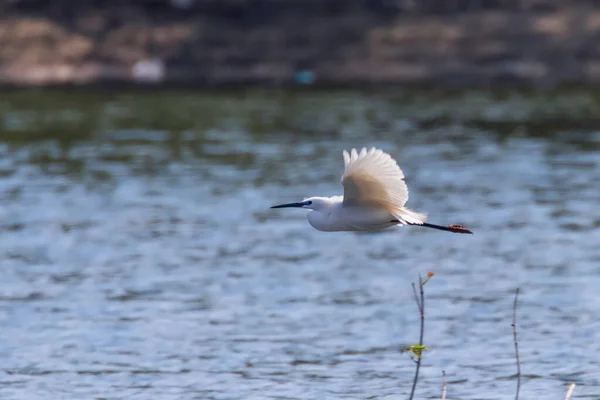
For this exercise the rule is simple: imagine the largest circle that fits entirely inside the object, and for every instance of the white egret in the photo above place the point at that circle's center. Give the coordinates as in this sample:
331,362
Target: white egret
374,198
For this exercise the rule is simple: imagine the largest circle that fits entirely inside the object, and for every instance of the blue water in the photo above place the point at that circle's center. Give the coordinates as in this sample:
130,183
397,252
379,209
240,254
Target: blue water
146,264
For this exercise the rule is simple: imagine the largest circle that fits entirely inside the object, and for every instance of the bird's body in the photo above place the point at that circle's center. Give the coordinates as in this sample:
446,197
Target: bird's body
337,217
374,198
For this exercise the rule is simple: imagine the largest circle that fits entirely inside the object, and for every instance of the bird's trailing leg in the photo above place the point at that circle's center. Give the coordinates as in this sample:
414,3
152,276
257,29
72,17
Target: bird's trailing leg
450,228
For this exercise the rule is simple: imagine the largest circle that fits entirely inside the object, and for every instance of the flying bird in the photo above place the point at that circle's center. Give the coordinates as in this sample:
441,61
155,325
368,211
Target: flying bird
374,197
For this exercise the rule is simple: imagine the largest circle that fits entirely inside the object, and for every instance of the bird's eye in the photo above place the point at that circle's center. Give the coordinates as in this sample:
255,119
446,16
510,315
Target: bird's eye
308,203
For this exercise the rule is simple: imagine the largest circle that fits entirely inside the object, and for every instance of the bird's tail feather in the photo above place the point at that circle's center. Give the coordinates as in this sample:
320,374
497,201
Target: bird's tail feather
411,217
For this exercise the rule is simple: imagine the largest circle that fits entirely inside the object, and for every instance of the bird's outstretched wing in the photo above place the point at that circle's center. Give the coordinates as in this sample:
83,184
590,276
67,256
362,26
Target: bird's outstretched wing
373,178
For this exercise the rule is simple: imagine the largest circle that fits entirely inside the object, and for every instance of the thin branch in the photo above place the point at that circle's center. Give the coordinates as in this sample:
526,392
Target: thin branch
417,296
514,326
570,391
444,385
420,299
422,310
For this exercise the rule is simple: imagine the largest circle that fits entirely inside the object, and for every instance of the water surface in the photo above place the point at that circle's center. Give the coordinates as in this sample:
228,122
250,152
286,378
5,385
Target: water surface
140,258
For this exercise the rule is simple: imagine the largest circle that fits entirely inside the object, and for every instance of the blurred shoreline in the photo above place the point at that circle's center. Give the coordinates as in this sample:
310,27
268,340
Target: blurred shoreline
210,44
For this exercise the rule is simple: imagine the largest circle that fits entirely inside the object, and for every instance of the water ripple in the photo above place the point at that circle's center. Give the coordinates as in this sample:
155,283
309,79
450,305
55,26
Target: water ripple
145,263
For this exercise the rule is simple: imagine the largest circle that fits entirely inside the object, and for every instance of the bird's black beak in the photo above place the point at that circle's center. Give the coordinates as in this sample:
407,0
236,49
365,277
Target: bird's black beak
298,205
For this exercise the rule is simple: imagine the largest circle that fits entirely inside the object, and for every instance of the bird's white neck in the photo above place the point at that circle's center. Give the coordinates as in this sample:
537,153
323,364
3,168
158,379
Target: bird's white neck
325,218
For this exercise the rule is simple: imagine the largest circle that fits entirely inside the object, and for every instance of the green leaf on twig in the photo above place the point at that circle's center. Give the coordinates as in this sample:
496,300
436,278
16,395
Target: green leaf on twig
415,350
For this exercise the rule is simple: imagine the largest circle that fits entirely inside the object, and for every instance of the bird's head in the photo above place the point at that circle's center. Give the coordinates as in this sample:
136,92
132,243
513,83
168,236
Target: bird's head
312,203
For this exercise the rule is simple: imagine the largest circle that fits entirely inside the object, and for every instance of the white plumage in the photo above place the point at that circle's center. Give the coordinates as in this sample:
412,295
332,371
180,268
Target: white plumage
374,197
374,179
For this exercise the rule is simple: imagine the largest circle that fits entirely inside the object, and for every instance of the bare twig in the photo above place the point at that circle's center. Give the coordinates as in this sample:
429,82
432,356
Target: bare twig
514,326
444,385
418,350
570,391
416,295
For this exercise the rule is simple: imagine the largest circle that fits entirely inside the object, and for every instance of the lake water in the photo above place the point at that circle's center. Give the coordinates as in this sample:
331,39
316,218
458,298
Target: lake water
140,260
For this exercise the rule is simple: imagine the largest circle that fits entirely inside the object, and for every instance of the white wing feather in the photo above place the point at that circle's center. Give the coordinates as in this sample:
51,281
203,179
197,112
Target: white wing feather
373,178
